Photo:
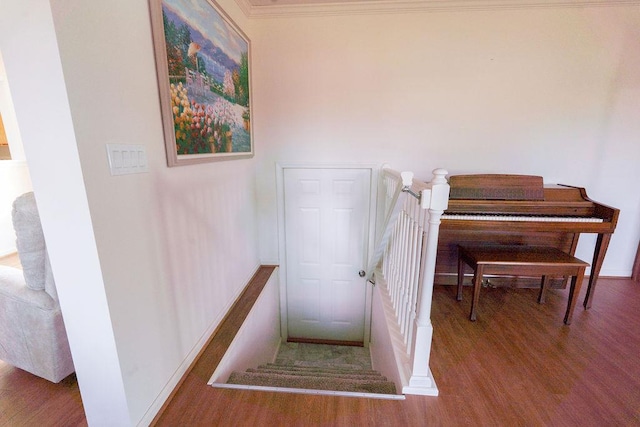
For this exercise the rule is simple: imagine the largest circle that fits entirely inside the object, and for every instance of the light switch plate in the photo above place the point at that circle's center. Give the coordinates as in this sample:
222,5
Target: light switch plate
127,158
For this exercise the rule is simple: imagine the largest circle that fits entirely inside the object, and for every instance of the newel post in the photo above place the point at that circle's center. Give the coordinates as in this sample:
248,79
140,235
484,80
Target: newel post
436,200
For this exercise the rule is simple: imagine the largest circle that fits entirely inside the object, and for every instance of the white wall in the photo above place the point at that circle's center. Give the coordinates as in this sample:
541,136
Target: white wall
550,92
51,150
14,173
172,248
383,352
176,245
9,116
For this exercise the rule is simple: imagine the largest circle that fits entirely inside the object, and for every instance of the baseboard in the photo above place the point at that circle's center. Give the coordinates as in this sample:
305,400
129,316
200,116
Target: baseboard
431,390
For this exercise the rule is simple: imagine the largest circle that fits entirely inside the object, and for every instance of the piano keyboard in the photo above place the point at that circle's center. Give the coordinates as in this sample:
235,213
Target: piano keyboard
520,218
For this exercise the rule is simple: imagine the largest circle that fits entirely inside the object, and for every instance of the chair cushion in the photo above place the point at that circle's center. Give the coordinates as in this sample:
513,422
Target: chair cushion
29,240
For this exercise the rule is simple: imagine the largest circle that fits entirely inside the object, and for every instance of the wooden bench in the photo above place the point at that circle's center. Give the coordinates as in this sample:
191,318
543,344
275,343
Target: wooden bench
520,260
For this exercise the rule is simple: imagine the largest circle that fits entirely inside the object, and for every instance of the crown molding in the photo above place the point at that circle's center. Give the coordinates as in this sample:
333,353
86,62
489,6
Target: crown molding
245,6
368,7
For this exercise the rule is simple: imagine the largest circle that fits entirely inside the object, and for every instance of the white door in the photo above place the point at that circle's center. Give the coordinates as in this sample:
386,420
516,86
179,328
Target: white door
326,228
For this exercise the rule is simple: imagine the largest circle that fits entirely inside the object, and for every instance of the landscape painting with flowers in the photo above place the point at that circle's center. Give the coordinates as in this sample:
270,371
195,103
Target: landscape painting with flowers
203,71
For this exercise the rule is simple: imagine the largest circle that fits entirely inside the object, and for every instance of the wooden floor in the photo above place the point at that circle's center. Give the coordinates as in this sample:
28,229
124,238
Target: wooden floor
517,365
11,260
27,400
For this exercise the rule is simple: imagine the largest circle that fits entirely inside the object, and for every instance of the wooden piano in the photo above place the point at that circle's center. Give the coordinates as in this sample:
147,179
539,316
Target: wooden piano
520,209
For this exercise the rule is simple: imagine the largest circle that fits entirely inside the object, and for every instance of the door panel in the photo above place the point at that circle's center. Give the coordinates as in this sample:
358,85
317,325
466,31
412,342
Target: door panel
326,225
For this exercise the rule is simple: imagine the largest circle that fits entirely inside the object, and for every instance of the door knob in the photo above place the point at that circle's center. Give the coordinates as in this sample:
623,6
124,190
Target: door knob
361,273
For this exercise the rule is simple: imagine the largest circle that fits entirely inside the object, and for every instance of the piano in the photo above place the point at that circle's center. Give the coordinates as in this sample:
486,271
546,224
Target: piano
520,209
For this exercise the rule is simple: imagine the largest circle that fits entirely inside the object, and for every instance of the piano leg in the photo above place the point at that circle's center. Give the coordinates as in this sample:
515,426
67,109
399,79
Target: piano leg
602,243
460,278
542,296
477,284
576,284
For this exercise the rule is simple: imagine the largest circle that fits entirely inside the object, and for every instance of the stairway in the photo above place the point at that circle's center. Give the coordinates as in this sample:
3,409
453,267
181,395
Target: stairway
313,378
318,370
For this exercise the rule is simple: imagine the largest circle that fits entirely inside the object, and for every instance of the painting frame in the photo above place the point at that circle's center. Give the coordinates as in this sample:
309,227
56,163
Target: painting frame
203,66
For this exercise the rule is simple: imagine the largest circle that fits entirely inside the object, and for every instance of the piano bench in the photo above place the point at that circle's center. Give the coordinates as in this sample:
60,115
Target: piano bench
520,260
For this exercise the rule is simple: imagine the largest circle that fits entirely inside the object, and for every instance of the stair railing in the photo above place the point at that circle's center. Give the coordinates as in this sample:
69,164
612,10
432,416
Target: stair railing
404,260
391,201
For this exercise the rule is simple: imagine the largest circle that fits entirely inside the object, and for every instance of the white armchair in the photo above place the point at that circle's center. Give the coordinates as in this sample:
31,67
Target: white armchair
32,333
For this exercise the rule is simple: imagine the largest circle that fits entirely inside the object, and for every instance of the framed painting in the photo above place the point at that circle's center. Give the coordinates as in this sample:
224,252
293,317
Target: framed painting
203,67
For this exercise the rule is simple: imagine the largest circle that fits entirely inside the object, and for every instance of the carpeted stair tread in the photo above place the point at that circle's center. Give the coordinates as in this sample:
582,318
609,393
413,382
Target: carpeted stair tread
320,373
312,383
312,371
303,368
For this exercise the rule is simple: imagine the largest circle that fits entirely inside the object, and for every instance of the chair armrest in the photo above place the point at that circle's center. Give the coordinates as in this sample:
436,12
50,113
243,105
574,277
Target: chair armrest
13,287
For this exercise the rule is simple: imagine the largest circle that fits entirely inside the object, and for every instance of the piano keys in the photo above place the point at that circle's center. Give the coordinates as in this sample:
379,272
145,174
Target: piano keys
520,209
506,218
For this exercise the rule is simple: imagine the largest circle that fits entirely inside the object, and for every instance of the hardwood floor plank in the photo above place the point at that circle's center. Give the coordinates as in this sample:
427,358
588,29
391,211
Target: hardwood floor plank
27,400
586,365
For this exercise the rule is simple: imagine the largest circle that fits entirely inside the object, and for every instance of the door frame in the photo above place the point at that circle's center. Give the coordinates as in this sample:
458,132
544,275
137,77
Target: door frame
373,203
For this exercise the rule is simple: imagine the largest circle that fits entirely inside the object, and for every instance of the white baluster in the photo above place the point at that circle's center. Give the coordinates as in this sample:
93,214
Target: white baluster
414,209
408,259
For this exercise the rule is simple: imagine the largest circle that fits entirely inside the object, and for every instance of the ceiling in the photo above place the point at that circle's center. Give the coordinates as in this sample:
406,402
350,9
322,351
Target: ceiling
297,2
266,8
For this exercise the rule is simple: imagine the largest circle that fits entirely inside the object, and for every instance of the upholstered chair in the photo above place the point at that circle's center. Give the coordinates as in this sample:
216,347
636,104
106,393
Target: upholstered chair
32,333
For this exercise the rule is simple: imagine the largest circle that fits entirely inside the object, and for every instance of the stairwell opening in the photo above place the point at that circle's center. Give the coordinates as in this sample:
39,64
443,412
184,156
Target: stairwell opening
317,369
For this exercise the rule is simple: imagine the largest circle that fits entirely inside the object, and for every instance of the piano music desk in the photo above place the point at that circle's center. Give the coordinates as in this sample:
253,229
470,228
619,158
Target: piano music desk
520,260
